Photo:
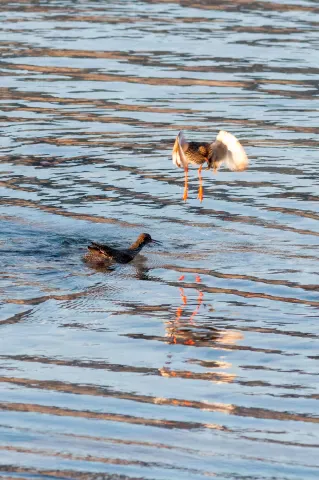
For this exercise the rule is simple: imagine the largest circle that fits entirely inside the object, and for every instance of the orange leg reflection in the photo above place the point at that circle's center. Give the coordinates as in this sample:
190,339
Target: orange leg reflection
200,190
186,185
184,298
179,312
199,302
180,333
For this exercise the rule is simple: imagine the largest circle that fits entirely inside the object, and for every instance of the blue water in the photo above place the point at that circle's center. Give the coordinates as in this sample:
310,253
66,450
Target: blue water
199,359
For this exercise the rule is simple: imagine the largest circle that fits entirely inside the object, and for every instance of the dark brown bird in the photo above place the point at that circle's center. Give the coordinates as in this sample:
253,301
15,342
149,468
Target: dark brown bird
226,148
103,254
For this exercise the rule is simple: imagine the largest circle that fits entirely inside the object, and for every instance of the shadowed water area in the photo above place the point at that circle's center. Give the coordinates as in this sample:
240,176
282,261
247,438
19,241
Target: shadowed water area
200,358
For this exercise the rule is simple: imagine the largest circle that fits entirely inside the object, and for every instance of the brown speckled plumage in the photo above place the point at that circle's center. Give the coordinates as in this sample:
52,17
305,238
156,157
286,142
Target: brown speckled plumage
197,153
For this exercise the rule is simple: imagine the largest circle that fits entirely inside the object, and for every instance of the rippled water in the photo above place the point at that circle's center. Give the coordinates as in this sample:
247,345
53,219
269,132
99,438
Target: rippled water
200,358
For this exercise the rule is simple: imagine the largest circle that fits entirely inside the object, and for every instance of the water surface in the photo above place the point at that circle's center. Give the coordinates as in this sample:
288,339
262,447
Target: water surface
200,358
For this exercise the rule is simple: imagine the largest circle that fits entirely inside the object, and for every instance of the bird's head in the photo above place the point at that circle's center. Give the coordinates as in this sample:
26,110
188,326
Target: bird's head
145,238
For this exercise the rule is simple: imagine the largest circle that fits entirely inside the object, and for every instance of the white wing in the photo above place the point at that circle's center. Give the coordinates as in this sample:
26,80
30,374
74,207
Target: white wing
178,155
236,158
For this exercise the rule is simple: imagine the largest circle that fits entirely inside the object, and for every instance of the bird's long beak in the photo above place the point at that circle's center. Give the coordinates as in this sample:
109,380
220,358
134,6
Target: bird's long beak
157,242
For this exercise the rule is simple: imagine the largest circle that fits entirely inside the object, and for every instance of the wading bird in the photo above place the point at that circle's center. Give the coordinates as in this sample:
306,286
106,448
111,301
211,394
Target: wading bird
225,149
103,254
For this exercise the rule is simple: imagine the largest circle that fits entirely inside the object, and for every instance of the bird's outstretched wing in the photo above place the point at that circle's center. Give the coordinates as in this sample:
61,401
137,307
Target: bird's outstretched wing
234,156
180,146
101,249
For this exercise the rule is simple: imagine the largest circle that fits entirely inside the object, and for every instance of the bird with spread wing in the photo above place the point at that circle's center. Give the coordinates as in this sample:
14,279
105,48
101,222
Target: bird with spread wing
225,149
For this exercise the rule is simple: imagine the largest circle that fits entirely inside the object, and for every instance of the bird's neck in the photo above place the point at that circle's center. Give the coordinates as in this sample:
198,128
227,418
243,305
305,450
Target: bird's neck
136,246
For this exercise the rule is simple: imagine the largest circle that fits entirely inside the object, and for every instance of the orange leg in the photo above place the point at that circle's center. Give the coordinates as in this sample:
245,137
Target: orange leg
200,190
186,185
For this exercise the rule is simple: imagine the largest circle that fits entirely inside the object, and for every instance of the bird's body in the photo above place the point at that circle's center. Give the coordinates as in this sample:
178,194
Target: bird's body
100,255
226,148
197,153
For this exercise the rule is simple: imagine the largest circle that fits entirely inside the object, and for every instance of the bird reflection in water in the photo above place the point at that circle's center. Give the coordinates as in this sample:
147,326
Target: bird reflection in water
185,330
177,331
